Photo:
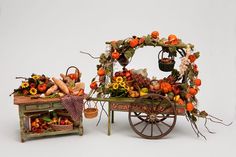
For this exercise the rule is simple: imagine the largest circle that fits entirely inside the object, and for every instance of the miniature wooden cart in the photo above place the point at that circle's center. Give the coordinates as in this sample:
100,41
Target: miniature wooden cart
28,106
154,115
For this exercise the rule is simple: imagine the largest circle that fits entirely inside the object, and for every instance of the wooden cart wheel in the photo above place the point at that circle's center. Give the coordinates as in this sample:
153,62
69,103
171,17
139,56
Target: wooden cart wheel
156,119
141,116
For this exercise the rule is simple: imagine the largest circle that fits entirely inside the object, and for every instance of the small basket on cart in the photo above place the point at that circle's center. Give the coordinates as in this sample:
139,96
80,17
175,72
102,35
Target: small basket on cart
166,64
91,112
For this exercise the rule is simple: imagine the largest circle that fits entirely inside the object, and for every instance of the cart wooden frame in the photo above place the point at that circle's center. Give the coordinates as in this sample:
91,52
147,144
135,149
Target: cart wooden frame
150,117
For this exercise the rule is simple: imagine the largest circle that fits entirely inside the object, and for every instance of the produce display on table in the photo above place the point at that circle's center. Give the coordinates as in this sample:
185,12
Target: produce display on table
43,86
50,106
180,87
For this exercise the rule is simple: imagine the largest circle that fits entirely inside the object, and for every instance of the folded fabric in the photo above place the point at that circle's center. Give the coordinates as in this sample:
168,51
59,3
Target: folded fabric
74,105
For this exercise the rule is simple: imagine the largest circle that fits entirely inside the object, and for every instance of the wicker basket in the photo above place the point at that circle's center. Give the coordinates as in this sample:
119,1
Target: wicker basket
77,72
57,127
90,113
165,64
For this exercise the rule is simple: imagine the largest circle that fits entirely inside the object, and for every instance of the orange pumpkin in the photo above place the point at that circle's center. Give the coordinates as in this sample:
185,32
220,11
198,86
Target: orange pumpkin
187,96
101,72
134,42
155,34
172,37
197,82
189,107
166,87
192,91
180,101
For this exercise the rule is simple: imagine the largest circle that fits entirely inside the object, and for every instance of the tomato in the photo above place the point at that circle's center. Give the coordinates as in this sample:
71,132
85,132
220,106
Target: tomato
115,55
72,76
93,85
101,72
42,87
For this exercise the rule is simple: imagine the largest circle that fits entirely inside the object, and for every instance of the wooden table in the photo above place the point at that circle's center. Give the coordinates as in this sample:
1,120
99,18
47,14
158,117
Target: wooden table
28,105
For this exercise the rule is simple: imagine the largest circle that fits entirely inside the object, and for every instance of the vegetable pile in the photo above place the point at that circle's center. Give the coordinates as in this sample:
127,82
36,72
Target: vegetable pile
43,86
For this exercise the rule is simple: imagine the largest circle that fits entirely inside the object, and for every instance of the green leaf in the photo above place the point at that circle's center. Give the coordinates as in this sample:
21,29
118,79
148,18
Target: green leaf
93,79
172,49
46,119
203,114
197,54
129,53
119,43
148,40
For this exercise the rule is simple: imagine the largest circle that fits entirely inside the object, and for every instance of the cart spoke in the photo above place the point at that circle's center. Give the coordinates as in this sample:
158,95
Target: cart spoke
138,123
165,124
152,129
170,116
138,115
144,128
159,128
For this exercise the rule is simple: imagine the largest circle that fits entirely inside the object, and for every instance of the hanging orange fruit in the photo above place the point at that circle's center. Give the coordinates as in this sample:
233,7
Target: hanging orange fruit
101,72
187,96
192,91
93,85
134,42
192,58
115,55
197,82
189,107
155,34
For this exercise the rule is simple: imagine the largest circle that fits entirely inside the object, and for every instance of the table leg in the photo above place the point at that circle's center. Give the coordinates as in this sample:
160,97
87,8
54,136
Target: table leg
21,118
109,120
112,116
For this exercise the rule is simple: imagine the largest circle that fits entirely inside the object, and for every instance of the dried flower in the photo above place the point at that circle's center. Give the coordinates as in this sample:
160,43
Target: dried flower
119,79
115,85
33,91
24,84
35,77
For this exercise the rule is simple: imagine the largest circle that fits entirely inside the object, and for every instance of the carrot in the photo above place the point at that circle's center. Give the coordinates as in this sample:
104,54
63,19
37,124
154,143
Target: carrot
51,90
61,85
78,87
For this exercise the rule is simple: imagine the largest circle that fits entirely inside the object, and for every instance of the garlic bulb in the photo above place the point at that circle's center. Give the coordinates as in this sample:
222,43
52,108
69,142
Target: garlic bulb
185,61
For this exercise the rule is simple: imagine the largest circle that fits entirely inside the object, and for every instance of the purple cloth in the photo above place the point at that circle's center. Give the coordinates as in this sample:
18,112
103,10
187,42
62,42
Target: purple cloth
74,105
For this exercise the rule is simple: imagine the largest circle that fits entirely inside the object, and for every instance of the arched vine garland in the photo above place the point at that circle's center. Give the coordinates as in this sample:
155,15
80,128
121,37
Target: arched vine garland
181,86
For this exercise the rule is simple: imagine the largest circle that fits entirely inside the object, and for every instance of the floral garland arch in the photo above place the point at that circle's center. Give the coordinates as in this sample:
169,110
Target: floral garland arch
181,86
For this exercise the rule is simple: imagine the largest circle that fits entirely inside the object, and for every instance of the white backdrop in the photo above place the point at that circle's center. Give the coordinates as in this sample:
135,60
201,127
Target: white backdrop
45,37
